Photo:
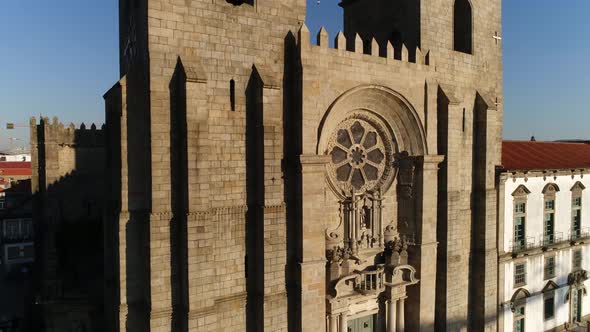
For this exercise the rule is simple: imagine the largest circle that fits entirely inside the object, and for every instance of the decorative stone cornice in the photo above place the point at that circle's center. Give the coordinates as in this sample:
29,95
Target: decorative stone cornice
314,160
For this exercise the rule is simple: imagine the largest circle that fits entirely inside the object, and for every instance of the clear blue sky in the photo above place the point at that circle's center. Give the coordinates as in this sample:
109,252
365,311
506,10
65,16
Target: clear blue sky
59,57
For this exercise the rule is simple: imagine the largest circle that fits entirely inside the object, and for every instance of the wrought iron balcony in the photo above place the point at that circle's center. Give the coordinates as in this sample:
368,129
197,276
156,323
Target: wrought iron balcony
579,234
547,240
523,244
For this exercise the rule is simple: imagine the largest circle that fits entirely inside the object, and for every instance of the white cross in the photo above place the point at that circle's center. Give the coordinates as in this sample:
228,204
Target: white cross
497,37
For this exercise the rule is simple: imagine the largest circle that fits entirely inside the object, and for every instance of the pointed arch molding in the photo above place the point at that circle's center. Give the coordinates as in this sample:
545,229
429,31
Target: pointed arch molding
550,188
549,287
390,106
521,191
578,186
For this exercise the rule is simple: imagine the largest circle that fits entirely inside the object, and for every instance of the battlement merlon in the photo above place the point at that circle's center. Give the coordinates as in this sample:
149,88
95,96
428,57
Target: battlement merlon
375,53
55,132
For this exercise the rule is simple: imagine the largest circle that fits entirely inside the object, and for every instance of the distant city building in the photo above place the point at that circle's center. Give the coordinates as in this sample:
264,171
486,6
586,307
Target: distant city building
15,155
544,236
14,170
16,226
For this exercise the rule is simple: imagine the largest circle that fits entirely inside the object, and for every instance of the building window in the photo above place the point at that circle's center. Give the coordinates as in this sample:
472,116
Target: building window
520,275
548,306
519,224
549,226
11,229
576,232
549,267
519,318
549,193
577,260
463,26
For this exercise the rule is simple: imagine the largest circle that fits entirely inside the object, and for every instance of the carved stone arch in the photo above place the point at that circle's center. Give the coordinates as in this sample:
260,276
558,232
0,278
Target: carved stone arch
521,191
550,188
550,287
578,186
390,106
519,298
385,114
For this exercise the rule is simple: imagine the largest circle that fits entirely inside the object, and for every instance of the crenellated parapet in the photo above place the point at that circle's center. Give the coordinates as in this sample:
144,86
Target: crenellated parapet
365,50
55,132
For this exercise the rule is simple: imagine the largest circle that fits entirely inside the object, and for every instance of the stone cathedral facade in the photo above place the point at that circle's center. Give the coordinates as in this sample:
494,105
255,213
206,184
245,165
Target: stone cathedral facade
265,178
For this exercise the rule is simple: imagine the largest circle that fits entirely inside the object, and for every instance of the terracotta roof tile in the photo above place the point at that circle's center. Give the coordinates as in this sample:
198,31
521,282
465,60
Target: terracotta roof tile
15,164
527,155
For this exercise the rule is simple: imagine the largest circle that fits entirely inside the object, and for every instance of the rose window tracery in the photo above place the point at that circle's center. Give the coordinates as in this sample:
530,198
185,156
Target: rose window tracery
360,153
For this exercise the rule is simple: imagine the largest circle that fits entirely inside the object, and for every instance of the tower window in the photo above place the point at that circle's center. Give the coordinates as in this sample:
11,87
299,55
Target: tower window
463,26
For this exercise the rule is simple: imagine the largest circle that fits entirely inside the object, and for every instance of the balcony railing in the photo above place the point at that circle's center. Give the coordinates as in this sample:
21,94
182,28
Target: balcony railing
370,281
547,240
523,244
579,234
544,241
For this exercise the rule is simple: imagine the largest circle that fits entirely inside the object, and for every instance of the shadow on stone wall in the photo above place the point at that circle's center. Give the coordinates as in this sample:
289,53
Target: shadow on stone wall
292,129
68,200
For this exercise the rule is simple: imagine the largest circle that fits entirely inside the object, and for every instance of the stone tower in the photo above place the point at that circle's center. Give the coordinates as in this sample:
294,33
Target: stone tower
262,182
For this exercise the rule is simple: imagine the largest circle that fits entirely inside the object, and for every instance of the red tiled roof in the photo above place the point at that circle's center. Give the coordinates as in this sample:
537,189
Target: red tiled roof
20,168
527,155
15,164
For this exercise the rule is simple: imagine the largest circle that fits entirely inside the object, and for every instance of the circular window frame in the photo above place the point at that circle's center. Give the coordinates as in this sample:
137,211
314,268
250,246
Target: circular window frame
385,142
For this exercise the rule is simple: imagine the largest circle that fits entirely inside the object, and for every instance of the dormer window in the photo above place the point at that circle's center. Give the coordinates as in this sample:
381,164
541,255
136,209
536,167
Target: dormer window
463,27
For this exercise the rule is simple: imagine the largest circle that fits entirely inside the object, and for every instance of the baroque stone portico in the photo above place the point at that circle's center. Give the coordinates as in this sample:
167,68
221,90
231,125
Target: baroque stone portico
265,180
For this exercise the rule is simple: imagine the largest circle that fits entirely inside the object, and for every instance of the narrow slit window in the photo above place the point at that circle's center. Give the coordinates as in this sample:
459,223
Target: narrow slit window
463,123
232,95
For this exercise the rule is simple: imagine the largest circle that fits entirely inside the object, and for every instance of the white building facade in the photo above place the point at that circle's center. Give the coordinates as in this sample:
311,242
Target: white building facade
544,246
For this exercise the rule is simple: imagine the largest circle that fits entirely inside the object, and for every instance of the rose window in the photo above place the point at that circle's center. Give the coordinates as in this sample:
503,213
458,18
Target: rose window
358,156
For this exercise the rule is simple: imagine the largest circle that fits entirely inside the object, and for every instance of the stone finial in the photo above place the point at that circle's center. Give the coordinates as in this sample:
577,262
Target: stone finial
405,54
72,126
428,59
304,36
374,47
93,127
323,38
83,126
358,44
390,50
55,121
33,121
419,57
340,41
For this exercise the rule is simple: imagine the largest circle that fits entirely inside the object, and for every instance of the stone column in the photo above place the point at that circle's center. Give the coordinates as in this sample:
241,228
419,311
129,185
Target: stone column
343,324
400,324
333,323
424,255
313,259
391,313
